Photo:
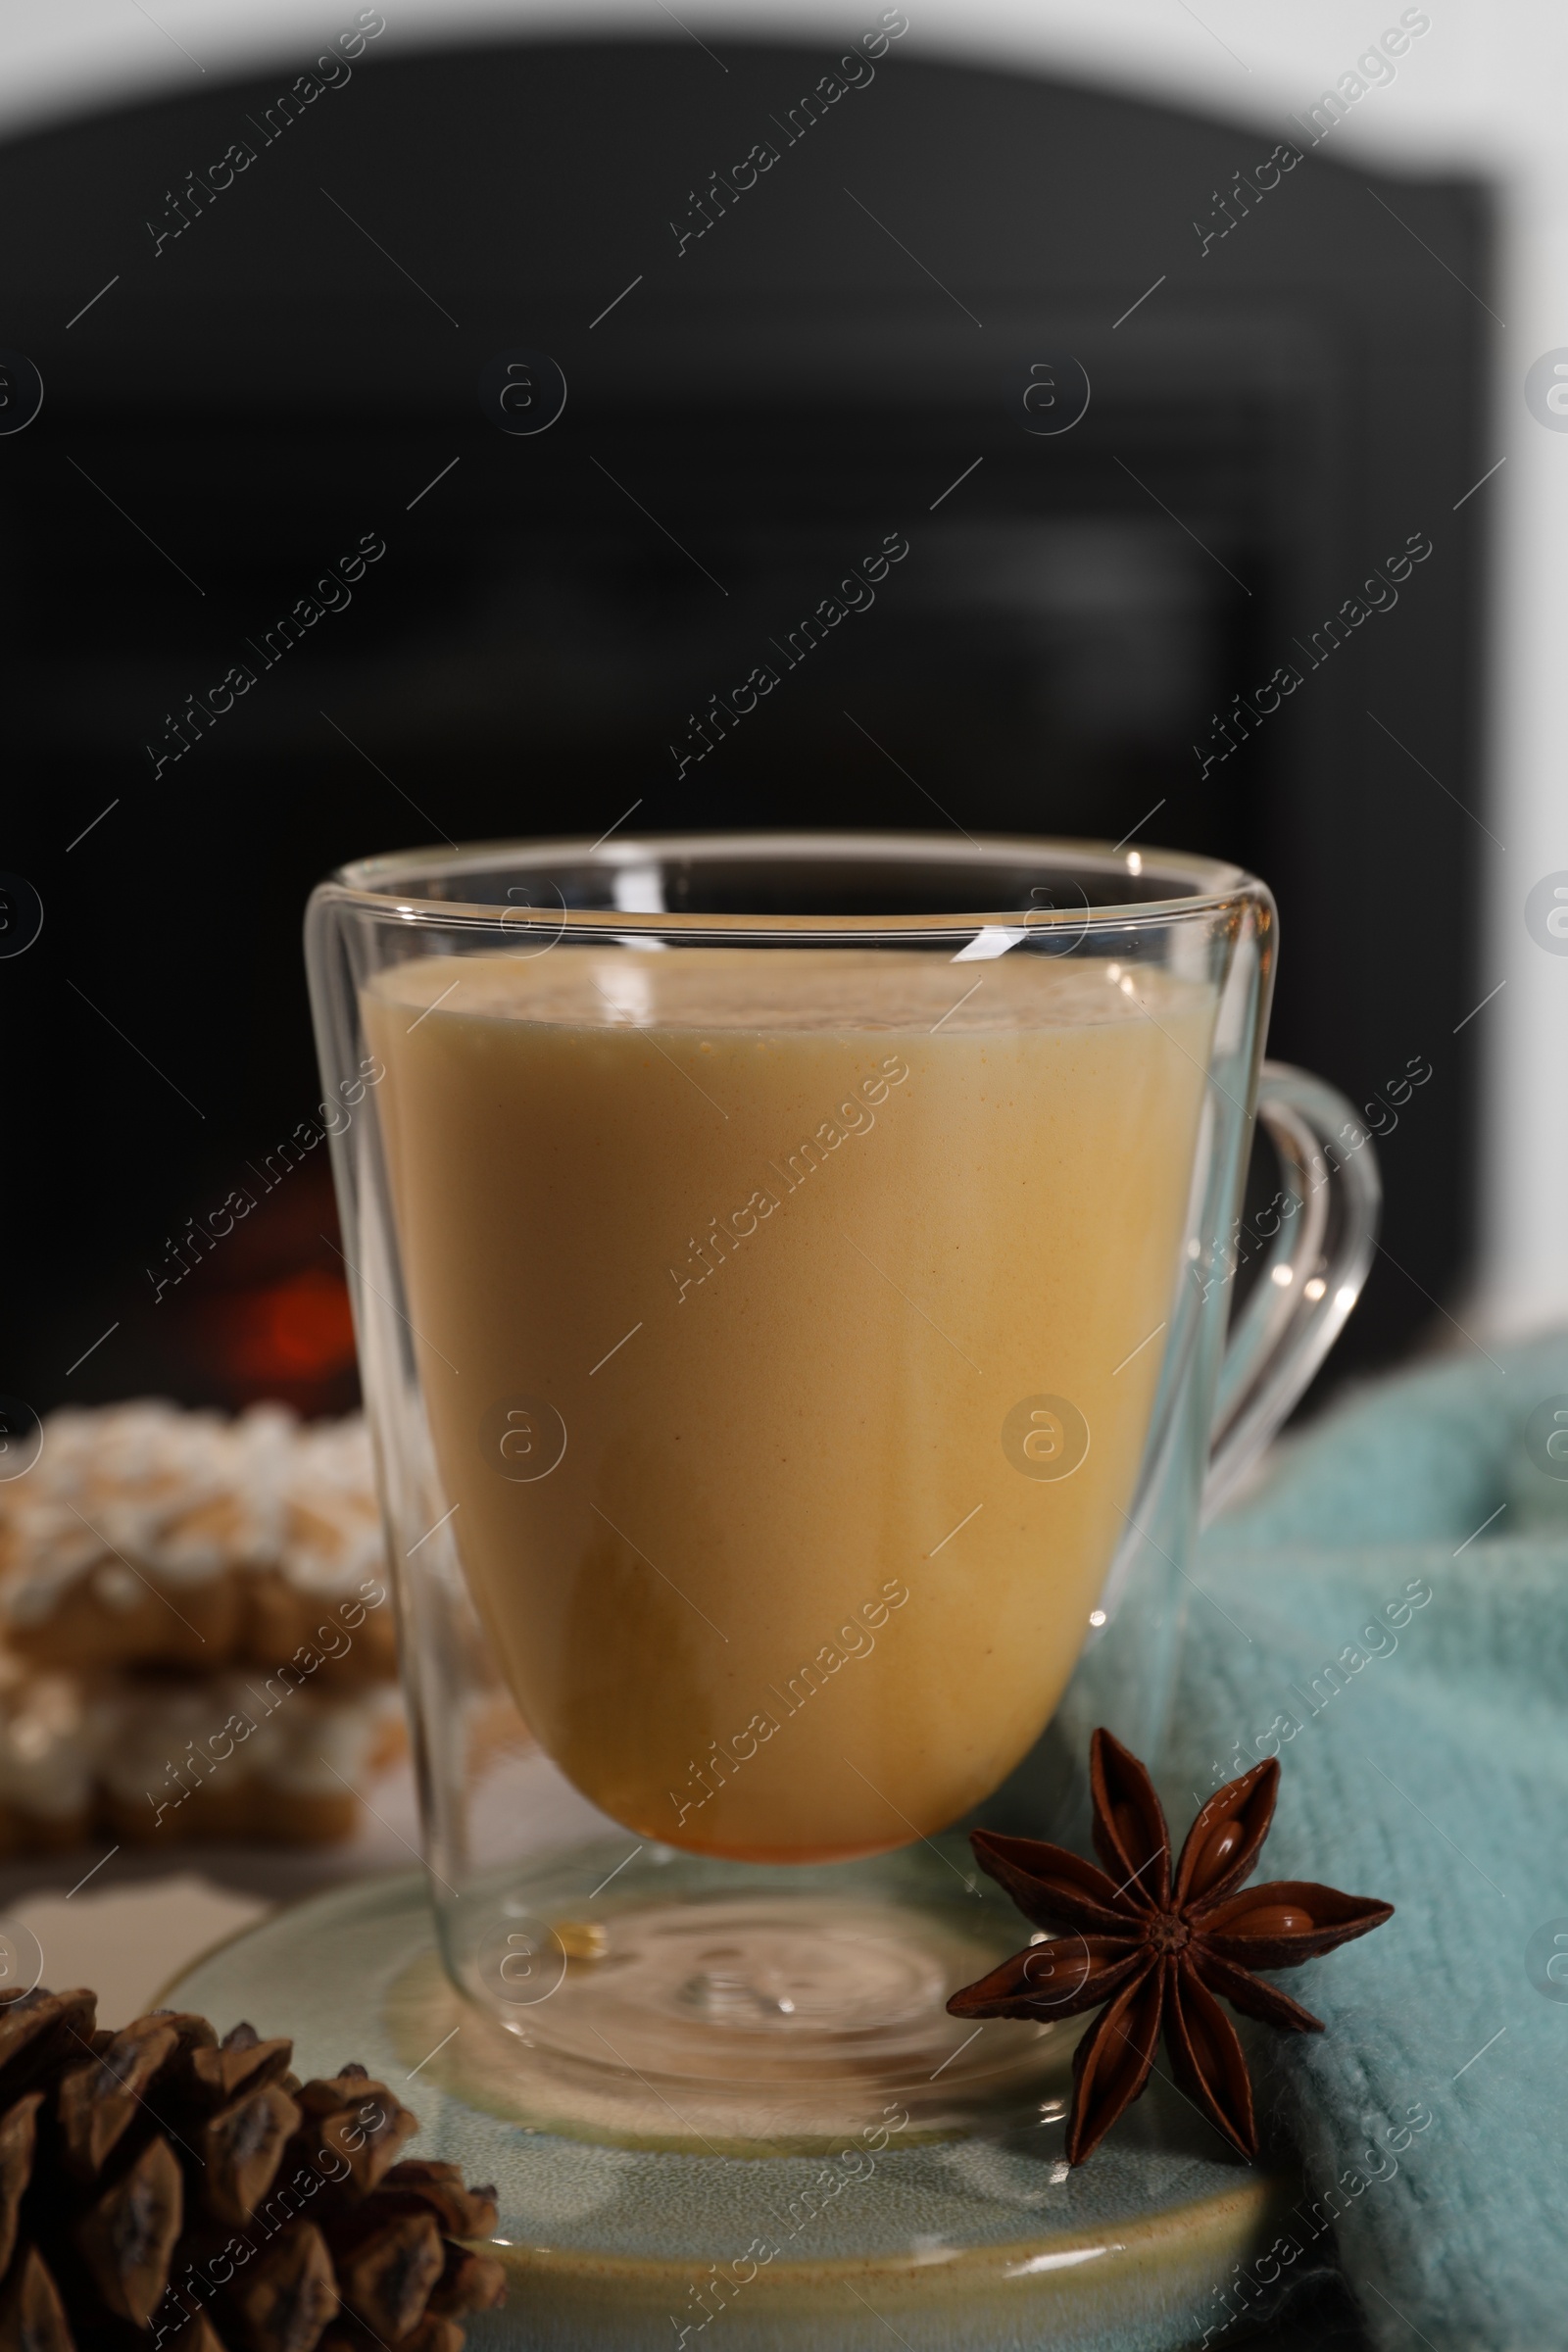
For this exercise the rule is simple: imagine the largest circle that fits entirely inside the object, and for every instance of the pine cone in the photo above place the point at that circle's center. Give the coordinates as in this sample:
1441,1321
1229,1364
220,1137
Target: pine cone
160,2187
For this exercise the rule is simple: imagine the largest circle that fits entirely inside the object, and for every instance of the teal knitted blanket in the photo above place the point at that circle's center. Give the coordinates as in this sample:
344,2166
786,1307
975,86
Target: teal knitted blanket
1390,1615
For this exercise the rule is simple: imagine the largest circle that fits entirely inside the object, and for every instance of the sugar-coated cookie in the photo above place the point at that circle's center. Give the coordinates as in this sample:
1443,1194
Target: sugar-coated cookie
147,1535
145,1758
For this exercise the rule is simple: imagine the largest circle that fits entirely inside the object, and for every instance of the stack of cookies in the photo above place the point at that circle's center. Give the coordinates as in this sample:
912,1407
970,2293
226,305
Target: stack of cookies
196,1635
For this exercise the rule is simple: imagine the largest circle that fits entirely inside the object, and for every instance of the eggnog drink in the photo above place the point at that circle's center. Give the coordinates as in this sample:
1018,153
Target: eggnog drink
789,1325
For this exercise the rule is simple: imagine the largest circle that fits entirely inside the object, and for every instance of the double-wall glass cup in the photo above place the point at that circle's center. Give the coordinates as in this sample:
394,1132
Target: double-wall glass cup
793,1280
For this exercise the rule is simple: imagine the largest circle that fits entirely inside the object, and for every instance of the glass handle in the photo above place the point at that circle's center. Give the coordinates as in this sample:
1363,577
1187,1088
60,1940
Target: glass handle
1324,1232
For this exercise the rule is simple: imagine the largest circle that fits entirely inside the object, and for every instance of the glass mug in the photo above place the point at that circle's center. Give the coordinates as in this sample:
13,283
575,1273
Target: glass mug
792,1277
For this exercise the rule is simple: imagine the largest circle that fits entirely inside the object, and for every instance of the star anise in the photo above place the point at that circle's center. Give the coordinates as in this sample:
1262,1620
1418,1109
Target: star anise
1157,1950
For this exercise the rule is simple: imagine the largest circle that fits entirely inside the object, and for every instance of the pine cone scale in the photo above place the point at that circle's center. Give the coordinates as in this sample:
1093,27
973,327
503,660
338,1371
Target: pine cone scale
287,2297
129,2237
19,2138
242,2063
100,2099
38,2033
33,2317
241,2148
387,2280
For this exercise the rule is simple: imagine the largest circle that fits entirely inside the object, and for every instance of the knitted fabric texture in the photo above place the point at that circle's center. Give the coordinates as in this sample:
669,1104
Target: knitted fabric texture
1390,1615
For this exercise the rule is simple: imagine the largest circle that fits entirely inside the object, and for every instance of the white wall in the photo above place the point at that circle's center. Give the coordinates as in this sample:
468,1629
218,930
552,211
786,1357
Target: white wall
1485,86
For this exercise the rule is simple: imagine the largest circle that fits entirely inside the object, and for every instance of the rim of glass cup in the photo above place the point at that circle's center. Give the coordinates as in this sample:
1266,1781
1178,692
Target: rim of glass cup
1173,883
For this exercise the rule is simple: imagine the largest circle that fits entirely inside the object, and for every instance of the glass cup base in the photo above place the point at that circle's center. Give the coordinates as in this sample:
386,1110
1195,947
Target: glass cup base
687,2002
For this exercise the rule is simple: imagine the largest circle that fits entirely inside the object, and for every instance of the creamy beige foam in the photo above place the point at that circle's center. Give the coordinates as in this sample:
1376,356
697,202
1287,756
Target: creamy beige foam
786,1595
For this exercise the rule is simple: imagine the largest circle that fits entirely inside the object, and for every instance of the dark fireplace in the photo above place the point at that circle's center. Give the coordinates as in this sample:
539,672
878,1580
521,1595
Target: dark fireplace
823,535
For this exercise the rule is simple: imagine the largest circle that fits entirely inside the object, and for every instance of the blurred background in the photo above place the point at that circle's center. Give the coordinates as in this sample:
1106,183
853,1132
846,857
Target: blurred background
1173,345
